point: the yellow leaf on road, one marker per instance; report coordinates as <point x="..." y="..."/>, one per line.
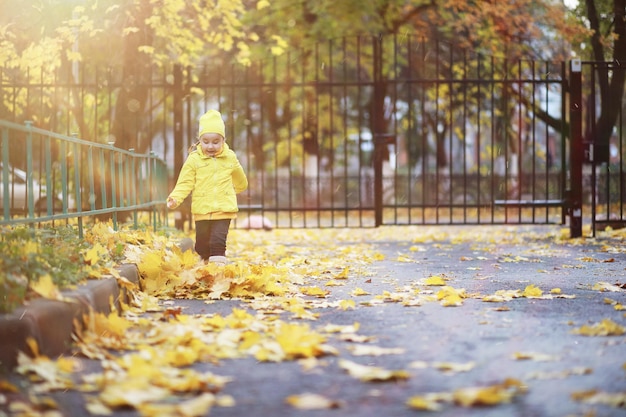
<point x="605" y="286"/>
<point x="435" y="280"/>
<point x="359" y="291"/>
<point x="606" y="327"/>
<point x="541" y="357"/>
<point x="450" y="367"/>
<point x="489" y="395"/>
<point x="613" y="399"/>
<point x="531" y="291"/>
<point x="451" y="297"/>
<point x="372" y="373"/>
<point x="367" y="350"/>
<point x="309" y="401"/>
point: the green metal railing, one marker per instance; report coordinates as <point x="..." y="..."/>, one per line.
<point x="48" y="176"/>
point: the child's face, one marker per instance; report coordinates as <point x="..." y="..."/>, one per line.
<point x="212" y="143"/>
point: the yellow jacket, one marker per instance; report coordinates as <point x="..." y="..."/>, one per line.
<point x="213" y="183"/>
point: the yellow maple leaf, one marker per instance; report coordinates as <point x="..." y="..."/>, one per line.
<point x="451" y="297"/>
<point x="541" y="357"/>
<point x="347" y="304"/>
<point x="299" y="341"/>
<point x="429" y="402"/>
<point x="531" y="291"/>
<point x="359" y="291"/>
<point x="451" y="367"/>
<point x="94" y="254"/>
<point x="489" y="395"/>
<point x="343" y="274"/>
<point x="606" y="327"/>
<point x="372" y="373"/>
<point x="435" y="280"/>
<point x="197" y="406"/>
<point x="404" y="259"/>
<point x="369" y="350"/>
<point x="45" y="287"/>
<point x="310" y="401"/>
<point x="314" y="291"/>
<point x="616" y="399"/>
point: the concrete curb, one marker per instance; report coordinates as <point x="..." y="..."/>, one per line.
<point x="51" y="323"/>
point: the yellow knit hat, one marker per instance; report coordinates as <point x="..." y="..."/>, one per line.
<point x="211" y="122"/>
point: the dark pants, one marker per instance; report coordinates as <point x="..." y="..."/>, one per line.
<point x="211" y="237"/>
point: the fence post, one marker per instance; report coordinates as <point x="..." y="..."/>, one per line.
<point x="576" y="155"/>
<point x="178" y="134"/>
<point x="378" y="123"/>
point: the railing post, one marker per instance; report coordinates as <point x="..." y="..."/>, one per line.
<point x="576" y="156"/>
<point x="29" y="169"/>
<point x="178" y="132"/>
<point x="378" y="129"/>
<point x="5" y="174"/>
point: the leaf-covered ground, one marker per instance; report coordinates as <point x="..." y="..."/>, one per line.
<point x="387" y="321"/>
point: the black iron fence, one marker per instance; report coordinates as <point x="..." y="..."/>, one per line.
<point x="352" y="132"/>
<point x="604" y="143"/>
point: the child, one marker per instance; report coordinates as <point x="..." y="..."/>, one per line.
<point x="213" y="175"/>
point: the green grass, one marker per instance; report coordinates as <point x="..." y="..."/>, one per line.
<point x="30" y="253"/>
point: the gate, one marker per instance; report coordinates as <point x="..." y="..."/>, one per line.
<point x="601" y="127"/>
<point x="371" y="131"/>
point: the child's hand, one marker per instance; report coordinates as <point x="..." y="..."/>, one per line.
<point x="171" y="203"/>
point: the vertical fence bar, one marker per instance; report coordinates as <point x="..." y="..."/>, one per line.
<point x="5" y="174"/>
<point x="378" y="122"/>
<point x="102" y="175"/>
<point x="331" y="128"/>
<point x="91" y="179"/>
<point x="78" y="186"/>
<point x="477" y="156"/>
<point x="464" y="142"/>
<point x="290" y="193"/>
<point x="113" y="179"/>
<point x="29" y="170"/>
<point x="64" y="187"/>
<point x="50" y="197"/>
<point x="317" y="80"/>
<point x="345" y="131"/>
<point x="132" y="182"/>
<point x="576" y="149"/>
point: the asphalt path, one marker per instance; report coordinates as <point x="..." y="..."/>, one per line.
<point x="426" y="334"/>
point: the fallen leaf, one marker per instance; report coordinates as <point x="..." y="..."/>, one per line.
<point x="451" y="367"/>
<point x="435" y="280"/>
<point x="45" y="287"/>
<point x="429" y="402"/>
<point x="451" y="297"/>
<point x="606" y="327"/>
<point x="606" y="287"/>
<point x="372" y="373"/>
<point x="368" y="350"/>
<point x="531" y="291"/>
<point x="535" y="356"/>
<point x="310" y="401"/>
<point x="616" y="399"/>
<point x="489" y="395"/>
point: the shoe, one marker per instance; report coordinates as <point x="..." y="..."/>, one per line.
<point x="218" y="260"/>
